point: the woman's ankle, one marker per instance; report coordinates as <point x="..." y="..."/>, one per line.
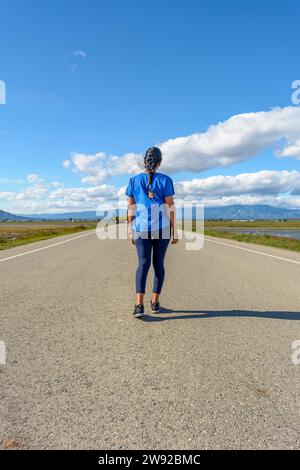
<point x="155" y="298"/>
<point x="139" y="299"/>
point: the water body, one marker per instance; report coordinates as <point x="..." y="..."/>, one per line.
<point x="295" y="234"/>
<point x="275" y="233"/>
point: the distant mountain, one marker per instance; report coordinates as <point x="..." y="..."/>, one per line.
<point x="85" y="215"/>
<point x="259" y="211"/>
<point x="11" y="217"/>
<point x="233" y="212"/>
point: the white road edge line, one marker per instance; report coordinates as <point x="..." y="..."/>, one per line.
<point x="46" y="247"/>
<point x="253" y="251"/>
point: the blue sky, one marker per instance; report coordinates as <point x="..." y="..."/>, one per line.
<point x="116" y="76"/>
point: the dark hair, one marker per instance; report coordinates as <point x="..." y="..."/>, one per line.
<point x="153" y="157"/>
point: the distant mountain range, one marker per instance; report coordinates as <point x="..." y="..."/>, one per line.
<point x="85" y="215"/>
<point x="233" y="212"/>
<point x="11" y="217"/>
<point x="259" y="211"/>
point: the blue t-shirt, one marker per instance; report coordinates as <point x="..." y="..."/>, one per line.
<point x="151" y="213"/>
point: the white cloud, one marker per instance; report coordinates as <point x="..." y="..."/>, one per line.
<point x="239" y="138"/>
<point x="291" y="150"/>
<point x="34" y="178"/>
<point x="93" y="193"/>
<point x="49" y="198"/>
<point x="80" y="53"/>
<point x="73" y="64"/>
<point x="99" y="167"/>
<point x="277" y="188"/>
<point x="275" y="201"/>
<point x="35" y="192"/>
<point x="66" y="163"/>
<point x="30" y="193"/>
<point x="265" y="182"/>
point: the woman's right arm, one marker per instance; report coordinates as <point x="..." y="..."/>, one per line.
<point x="130" y="216"/>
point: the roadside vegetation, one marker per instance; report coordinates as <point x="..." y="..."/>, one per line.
<point x="218" y="228"/>
<point x="255" y="224"/>
<point x="20" y="233"/>
<point x="259" y="239"/>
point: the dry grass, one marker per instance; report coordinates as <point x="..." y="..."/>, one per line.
<point x="19" y="233"/>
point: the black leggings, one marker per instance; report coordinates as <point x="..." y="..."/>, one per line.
<point x="144" y="250"/>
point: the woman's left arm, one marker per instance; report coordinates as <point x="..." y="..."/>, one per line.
<point x="170" y="202"/>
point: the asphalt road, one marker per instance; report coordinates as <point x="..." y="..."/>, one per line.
<point x="213" y="371"/>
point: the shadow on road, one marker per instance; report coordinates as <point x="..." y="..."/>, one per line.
<point x="190" y="314"/>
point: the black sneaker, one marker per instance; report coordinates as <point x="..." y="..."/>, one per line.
<point x="155" y="307"/>
<point x="138" y="311"/>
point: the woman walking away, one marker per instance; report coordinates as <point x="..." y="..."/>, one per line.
<point x="151" y="225"/>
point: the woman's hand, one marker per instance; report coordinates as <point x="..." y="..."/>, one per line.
<point x="130" y="234"/>
<point x="175" y="238"/>
<point x="170" y="203"/>
<point x="130" y="215"/>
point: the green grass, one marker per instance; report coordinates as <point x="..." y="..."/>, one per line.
<point x="16" y="234"/>
<point x="217" y="228"/>
<point x="256" y="224"/>
<point x="263" y="239"/>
